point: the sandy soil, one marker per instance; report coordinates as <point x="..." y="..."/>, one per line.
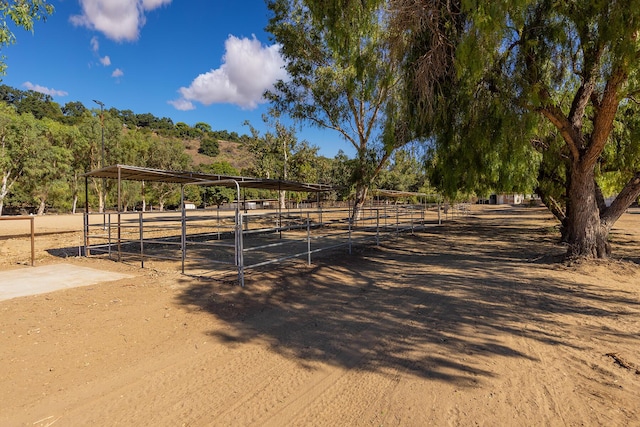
<point x="476" y="322"/>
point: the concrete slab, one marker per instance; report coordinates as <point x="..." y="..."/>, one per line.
<point x="49" y="278"/>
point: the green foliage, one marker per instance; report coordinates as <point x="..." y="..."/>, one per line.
<point x="36" y="103"/>
<point x="203" y="127"/>
<point x="514" y="59"/>
<point x="218" y="195"/>
<point x="45" y="150"/>
<point x="73" y="112"/>
<point x="405" y="172"/>
<point x="341" y="175"/>
<point x="42" y="105"/>
<point x="543" y="95"/>
<point x="340" y="76"/>
<point x="220" y="168"/>
<point x="209" y="147"/>
<point x="272" y="150"/>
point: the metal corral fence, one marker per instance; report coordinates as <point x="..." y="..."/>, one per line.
<point x="207" y="242"/>
<point x="32" y="232"/>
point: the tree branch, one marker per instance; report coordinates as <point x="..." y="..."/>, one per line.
<point x="628" y="195"/>
<point x="570" y="135"/>
<point x="580" y="101"/>
<point x="552" y="204"/>
<point x="603" y="121"/>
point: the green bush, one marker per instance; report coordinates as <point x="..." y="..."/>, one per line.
<point x="209" y="147"/>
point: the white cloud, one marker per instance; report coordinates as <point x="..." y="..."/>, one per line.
<point x="182" y="105"/>
<point x="154" y="4"/>
<point x="117" y="73"/>
<point x="117" y="19"/>
<point x="248" y="69"/>
<point x="95" y="45"/>
<point x="45" y="90"/>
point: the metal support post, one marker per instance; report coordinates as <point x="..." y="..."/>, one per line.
<point x="86" y="216"/>
<point x="350" y="219"/>
<point x="308" y="240"/>
<point x="141" y="222"/>
<point x="108" y="228"/>
<point x="119" y="215"/>
<point x="378" y="227"/>
<point x="183" y="222"/>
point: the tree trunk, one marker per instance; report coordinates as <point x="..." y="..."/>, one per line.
<point x="586" y="234"/>
<point x="98" y="188"/>
<point x="41" y="207"/>
<point x="361" y="197"/>
<point x="282" y="199"/>
<point x="5" y="186"/>
<point x="144" y="199"/>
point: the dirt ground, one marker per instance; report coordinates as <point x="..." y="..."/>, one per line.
<point x="475" y="322"/>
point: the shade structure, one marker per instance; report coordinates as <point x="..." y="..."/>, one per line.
<point x="397" y="193"/>
<point x="137" y="173"/>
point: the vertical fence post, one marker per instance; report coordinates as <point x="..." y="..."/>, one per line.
<point x="385" y="216"/>
<point x="119" y="214"/>
<point x="86" y="233"/>
<point x="308" y="240"/>
<point x="140" y="222"/>
<point x="108" y="232"/>
<point x="33" y="238"/>
<point x="350" y="219"/>
<point x="378" y="227"/>
<point x="86" y="216"/>
<point x="183" y="224"/>
<point x="411" y="218"/>
<point x="240" y="249"/>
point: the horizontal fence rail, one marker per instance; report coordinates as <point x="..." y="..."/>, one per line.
<point x="206" y="242"/>
<point x="31" y="229"/>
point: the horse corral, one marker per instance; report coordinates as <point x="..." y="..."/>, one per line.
<point x="206" y="242"/>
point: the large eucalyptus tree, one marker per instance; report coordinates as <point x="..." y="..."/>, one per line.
<point x="523" y="76"/>
<point x="340" y="77"/>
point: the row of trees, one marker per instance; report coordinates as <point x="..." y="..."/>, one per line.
<point x="42" y="106"/>
<point x="42" y="160"/>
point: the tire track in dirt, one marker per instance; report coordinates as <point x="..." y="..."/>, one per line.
<point x="330" y="392"/>
<point x="154" y="390"/>
<point x="183" y="389"/>
<point x="352" y="393"/>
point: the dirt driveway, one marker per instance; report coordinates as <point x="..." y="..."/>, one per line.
<point x="475" y="322"/>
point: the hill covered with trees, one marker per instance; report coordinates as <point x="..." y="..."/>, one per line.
<point x="45" y="148"/>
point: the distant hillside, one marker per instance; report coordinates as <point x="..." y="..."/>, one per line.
<point x="231" y="152"/>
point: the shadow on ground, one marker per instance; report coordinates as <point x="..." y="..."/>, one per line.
<point x="435" y="304"/>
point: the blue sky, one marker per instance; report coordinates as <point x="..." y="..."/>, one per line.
<point x="190" y="60"/>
